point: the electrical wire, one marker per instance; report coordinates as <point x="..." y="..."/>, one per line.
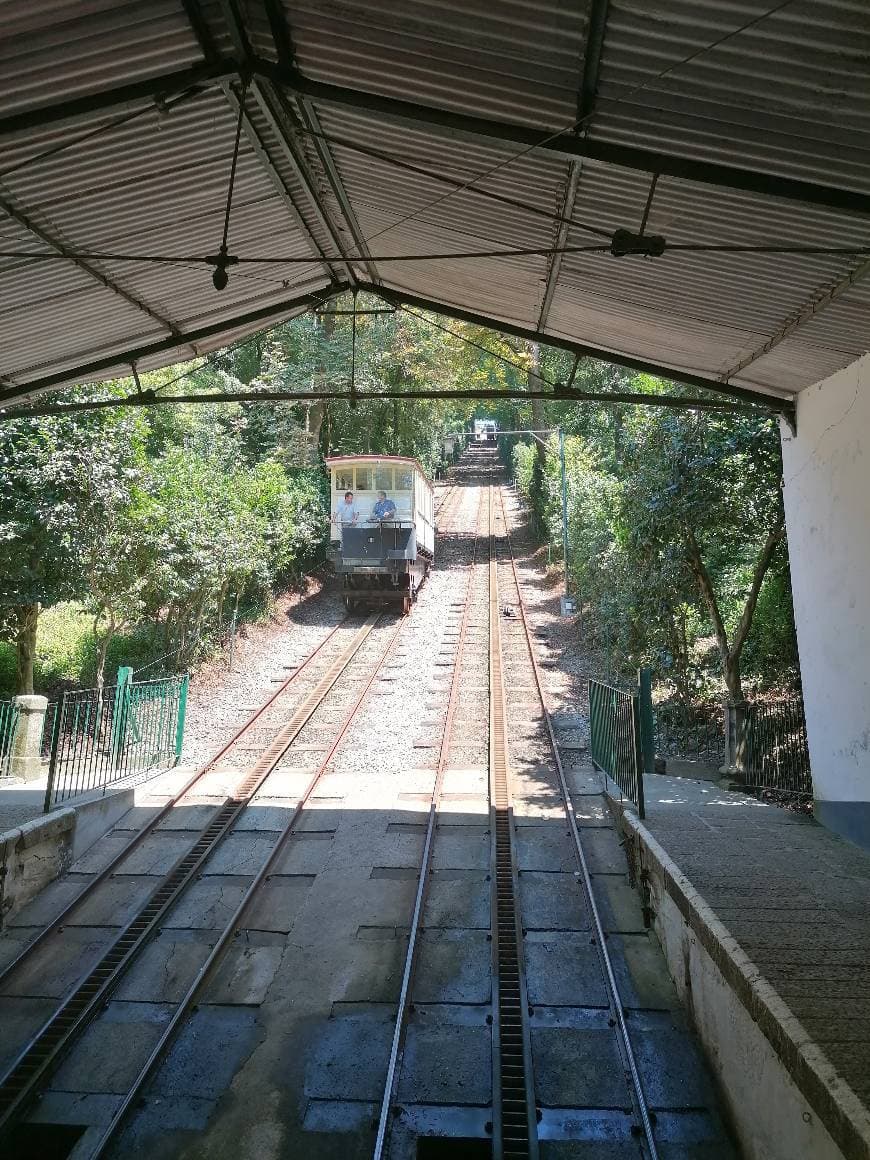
<point x="456" y="255"/>
<point x="433" y="175"/>
<point x="580" y="122"/>
<point x="166" y="107"/>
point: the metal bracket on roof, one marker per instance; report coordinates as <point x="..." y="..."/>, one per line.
<point x="625" y="242"/>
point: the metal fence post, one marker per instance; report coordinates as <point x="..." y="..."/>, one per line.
<point x="182" y="712"/>
<point x="647" y="727"/>
<point x="638" y="757"/>
<point x="119" y="711"/>
<point x="52" y="761"/>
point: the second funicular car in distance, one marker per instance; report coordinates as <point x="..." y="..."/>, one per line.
<point x="383" y="528"/>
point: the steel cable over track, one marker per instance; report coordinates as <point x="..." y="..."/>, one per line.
<point x="60" y="920"/>
<point x="411" y="955"/>
<point x="47" y="1047"/>
<point x="615" y="1002"/>
<point x="514" y="1113"/>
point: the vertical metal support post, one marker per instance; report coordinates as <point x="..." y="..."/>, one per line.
<point x="564" y="505"/>
<point x="647" y="728"/>
<point x="119" y="712"/>
<point x="55" y="745"/>
<point x="182" y="712"/>
<point x="638" y="758"/>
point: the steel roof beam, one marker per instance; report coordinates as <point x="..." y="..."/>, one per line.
<point x="85" y="372"/>
<point x="262" y="155"/>
<point x="85" y="266"/>
<point x="152" y="89"/>
<point x="773" y="402"/>
<point x="239" y="35"/>
<point x="561" y="239"/>
<point x="283" y="38"/>
<point x="608" y="153"/>
<point x="595" y="26"/>
<point x="205" y="39"/>
<point x="561" y="394"/>
<point x="273" y="109"/>
<point x="312" y="124"/>
<point x="568" y="145"/>
<point x="820" y="302"/>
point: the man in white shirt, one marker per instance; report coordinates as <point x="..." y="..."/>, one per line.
<point x="347" y="513"/>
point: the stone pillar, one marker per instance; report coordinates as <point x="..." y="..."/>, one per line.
<point x="736" y="727"/>
<point x="25" y="760"/>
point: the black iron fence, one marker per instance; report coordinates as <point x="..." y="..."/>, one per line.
<point x="693" y="733"/>
<point x="100" y="736"/>
<point x="615" y="738"/>
<point x="776" y="753"/>
<point x="9" y="714"/>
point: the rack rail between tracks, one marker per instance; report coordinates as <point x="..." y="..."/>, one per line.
<point x="615" y="1002"/>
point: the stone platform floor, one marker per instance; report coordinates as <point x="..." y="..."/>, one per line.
<point x="794" y="896"/>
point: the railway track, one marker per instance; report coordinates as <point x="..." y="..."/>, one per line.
<point x="466" y="606"/>
<point x="337" y="685"/>
<point x="487" y="699"/>
<point x="524" y="654"/>
<point x="515" y="1109"/>
<point x="57" y="1037"/>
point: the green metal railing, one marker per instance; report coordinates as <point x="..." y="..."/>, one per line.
<point x="101" y="736"/>
<point x="9" y="714"/>
<point x="615" y="738"/>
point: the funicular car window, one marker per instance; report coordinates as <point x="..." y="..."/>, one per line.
<point x="404" y="479"/>
<point x="364" y="479"/>
<point x="344" y="479"/>
<point x="384" y="479"/>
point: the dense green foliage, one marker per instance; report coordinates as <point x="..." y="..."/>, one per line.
<point x="146" y="532"/>
<point x="676" y="541"/>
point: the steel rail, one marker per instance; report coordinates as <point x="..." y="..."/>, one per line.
<point x="411" y="955"/>
<point x="515" y="1131"/>
<point x="139" y="837"/>
<point x="78" y="1007"/>
<point x="202" y="976"/>
<point x="615" y="999"/>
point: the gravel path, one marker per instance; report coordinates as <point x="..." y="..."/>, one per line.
<point x="220" y="701"/>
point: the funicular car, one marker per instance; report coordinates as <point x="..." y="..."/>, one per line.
<point x="382" y="528"/>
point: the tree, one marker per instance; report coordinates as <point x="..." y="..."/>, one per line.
<point x="60" y="477"/>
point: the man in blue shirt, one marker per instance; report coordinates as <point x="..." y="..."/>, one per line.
<point x="384" y="509"/>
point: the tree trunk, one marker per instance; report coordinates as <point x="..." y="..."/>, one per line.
<point x="318" y="410"/>
<point x="103" y="649"/>
<point x="27" y="616"/>
<point x="733" y="678"/>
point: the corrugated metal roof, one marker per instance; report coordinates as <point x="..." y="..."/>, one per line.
<point x="788" y="96"/>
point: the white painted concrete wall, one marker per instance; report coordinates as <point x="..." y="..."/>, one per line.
<point x="827" y="504"/>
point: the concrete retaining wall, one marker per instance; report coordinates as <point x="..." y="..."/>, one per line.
<point x="783" y="1097"/>
<point x="34" y="854"/>
<point x="31" y="856"/>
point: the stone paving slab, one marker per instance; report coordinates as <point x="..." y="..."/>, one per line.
<point x="795" y="898"/>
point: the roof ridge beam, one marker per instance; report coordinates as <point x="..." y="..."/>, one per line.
<point x="262" y="155"/>
<point x="87" y="267"/>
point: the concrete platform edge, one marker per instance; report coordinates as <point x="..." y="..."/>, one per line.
<point x="807" y="1083"/>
